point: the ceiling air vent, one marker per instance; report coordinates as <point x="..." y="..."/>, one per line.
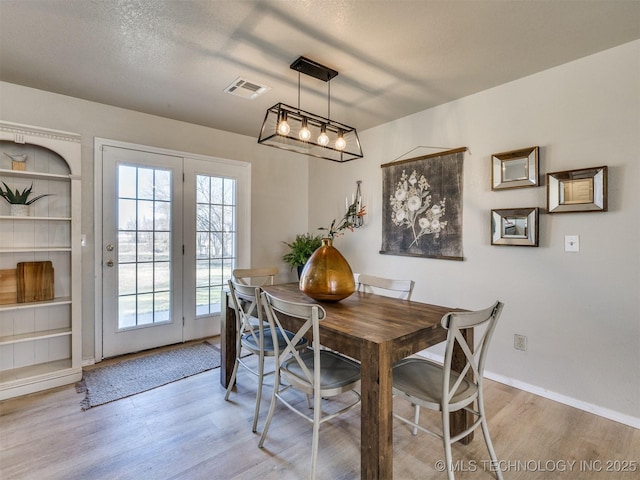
<point x="246" y="88"/>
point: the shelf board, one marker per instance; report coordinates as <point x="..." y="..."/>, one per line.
<point x="35" y="249"/>
<point x="22" y="373"/>
<point x="48" y="219"/>
<point x="34" y="175"/>
<point x="26" y="337"/>
<point x="50" y="303"/>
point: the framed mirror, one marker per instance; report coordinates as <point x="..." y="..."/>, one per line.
<point x="515" y="169"/>
<point x="582" y="190"/>
<point x="515" y="227"/>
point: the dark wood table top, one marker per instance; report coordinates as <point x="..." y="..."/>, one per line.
<point x="367" y="317"/>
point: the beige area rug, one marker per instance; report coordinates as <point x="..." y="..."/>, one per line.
<point x="122" y="379"/>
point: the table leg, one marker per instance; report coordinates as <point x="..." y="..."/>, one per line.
<point x="227" y="340"/>
<point x="377" y="414"/>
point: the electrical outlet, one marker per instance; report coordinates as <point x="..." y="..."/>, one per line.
<point x="520" y="342"/>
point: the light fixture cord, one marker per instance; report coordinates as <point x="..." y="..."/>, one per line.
<point x="298" y="89"/>
<point x="329" y="100"/>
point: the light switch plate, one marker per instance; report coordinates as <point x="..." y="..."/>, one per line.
<point x="571" y="243"/>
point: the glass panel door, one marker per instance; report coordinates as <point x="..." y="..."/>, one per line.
<point x="173" y="230"/>
<point x="216" y="238"/>
<point x="142" y="254"/>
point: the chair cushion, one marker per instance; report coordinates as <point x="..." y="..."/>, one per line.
<point x="336" y="371"/>
<point x="249" y="341"/>
<point x="422" y="379"/>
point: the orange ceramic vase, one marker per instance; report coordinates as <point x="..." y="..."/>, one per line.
<point x="327" y="275"/>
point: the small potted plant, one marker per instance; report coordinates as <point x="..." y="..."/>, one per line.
<point x="19" y="201"/>
<point x="301" y="249"/>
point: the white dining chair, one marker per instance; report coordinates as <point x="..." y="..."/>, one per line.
<point x="385" y="286"/>
<point x="315" y="372"/>
<point x="255" y="276"/>
<point x="253" y="336"/>
<point x="437" y="387"/>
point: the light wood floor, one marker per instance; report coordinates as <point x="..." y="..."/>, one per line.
<point x="185" y="430"/>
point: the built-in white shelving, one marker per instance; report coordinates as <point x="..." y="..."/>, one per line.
<point x="40" y="342"/>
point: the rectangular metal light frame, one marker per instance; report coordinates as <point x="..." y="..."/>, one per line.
<point x="269" y="134"/>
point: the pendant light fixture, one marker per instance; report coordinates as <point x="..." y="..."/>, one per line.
<point x="304" y="132"/>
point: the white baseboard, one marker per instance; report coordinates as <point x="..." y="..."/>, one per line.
<point x="88" y="361"/>
<point x="557" y="397"/>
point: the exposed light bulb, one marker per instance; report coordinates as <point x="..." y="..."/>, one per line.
<point x="304" y="134"/>
<point x="283" y="126"/>
<point x="323" y="138"/>
<point x="341" y="143"/>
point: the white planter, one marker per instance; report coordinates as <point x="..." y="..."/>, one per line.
<point x="19" y="210"/>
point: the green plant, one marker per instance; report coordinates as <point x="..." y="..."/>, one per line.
<point x="19" y="198"/>
<point x="337" y="227"/>
<point x="301" y="249"/>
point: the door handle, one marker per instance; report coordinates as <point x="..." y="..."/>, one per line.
<point x="109" y="247"/>
<point x="109" y="263"/>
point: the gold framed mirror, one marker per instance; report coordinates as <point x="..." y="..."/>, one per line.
<point x="515" y="227"/>
<point x="583" y="190"/>
<point x="515" y="169"/>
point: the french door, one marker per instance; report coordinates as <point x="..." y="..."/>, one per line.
<point x="170" y="241"/>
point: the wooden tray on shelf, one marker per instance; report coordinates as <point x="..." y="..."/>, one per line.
<point x="35" y="281"/>
<point x="8" y="286"/>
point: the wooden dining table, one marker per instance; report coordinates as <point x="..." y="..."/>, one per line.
<point x="378" y="331"/>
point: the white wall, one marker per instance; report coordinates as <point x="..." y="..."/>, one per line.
<point x="580" y="311"/>
<point x="277" y="176"/>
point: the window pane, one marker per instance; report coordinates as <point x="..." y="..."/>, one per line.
<point x="202" y="189"/>
<point x="161" y="276"/>
<point x="145" y="183"/>
<point x="145" y="215"/>
<point x="202" y="273"/>
<point x="145" y="246"/>
<point x="127" y="311"/>
<point x="145" y="277"/>
<point x="145" y="309"/>
<point x="126" y="247"/>
<point x="229" y="191"/>
<point x="216" y="218"/>
<point x="228" y="247"/>
<point x="127" y="279"/>
<point x="202" y="245"/>
<point x="229" y="220"/>
<point x="215" y="251"/>
<point x="216" y="191"/>
<point x="162" y="246"/>
<point x="162" y="304"/>
<point x="162" y="213"/>
<point x="126" y="181"/>
<point x="216" y="245"/>
<point x="126" y="214"/>
<point x="203" y="222"/>
<point x="202" y="301"/>
<point x="163" y="185"/>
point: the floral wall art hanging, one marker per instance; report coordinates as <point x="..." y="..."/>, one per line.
<point x="422" y="206"/>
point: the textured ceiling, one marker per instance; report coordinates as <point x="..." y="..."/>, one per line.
<point x="394" y="57"/>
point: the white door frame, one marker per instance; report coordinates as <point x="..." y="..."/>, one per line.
<point x="243" y="212"/>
